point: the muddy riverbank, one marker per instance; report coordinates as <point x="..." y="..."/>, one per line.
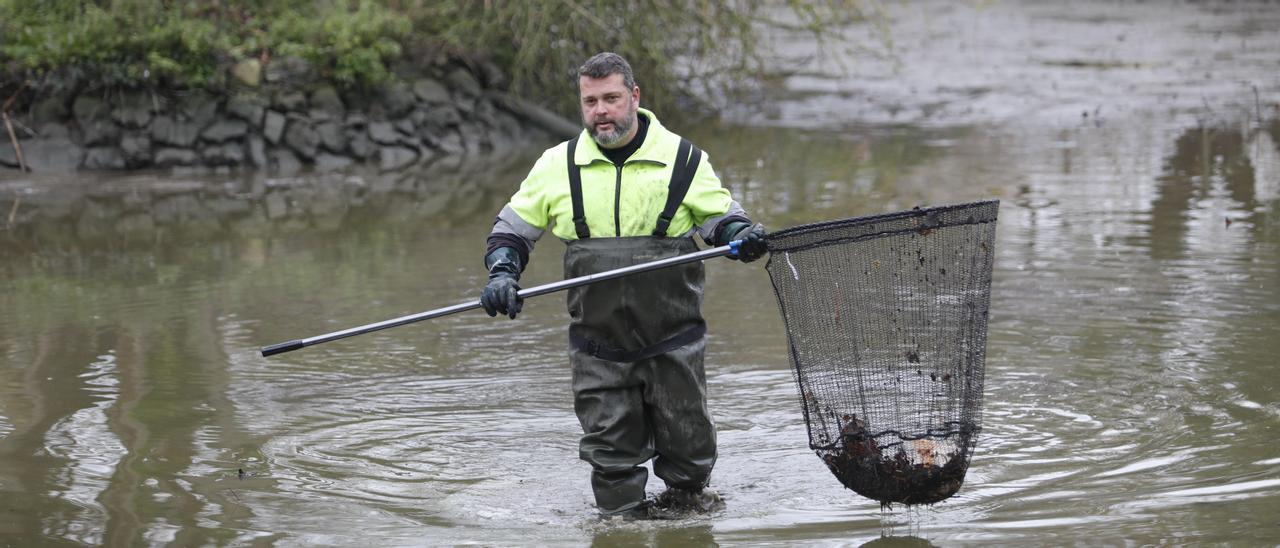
<point x="1039" y="63"/>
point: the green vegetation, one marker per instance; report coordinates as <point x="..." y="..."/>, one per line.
<point x="166" y="43"/>
<point x="680" y="49"/>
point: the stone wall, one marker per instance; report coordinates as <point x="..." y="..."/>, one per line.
<point x="288" y="123"/>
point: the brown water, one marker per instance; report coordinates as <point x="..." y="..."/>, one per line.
<point x="1131" y="386"/>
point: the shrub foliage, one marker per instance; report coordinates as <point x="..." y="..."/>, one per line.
<point x="680" y="49"/>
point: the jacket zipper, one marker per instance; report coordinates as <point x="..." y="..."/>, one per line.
<point x="617" y="205"/>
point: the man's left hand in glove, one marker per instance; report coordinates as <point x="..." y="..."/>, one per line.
<point x="752" y="237"/>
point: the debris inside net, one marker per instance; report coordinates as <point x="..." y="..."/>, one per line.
<point x="908" y="472"/>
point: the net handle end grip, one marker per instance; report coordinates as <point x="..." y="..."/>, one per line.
<point x="283" y="347"/>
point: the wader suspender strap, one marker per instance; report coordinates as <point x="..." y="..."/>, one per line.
<point x="575" y="192"/>
<point x="686" y="166"/>
<point x="687" y="158"/>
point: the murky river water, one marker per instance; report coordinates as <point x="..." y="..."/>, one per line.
<point x="1132" y="393"/>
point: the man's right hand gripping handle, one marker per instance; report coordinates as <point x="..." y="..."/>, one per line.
<point x="501" y="294"/>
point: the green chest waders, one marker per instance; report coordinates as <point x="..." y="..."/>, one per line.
<point x="637" y="346"/>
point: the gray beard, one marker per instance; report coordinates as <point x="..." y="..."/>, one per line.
<point x="611" y="139"/>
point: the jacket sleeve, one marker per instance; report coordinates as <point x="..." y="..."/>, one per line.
<point x="524" y="219"/>
<point x="529" y="203"/>
<point x="709" y="203"/>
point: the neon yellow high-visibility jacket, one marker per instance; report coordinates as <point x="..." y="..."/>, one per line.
<point x="616" y="201"/>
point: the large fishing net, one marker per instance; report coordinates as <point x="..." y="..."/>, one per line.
<point x="887" y="322"/>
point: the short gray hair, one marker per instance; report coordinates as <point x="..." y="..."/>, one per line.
<point x="602" y="64"/>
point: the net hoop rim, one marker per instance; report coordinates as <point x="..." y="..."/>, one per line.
<point x="926" y="212"/>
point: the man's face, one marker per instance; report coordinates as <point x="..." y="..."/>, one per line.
<point x="608" y="109"/>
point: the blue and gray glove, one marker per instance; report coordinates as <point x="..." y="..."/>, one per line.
<point x="501" y="294"/>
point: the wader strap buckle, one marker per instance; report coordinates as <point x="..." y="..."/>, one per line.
<point x="594" y="348"/>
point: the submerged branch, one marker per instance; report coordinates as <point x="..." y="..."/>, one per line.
<point x="13" y="138"/>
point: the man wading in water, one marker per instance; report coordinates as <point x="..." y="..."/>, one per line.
<point x="637" y="342"/>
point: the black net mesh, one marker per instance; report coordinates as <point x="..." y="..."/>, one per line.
<point x="887" y="322"/>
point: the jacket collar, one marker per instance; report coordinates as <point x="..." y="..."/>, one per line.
<point x="650" y="151"/>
